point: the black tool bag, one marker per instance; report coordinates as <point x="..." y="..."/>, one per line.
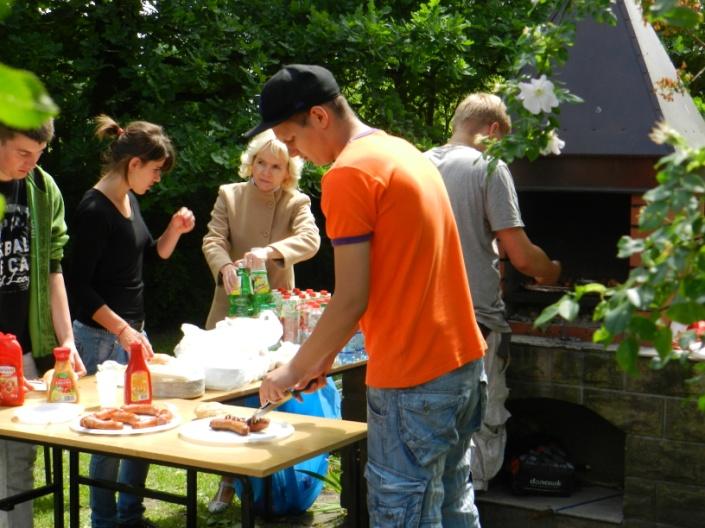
<point x="542" y="470"/>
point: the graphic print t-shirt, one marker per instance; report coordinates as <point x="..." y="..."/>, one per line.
<point x="14" y="262"/>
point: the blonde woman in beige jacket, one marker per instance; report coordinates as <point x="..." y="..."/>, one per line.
<point x="265" y="216"/>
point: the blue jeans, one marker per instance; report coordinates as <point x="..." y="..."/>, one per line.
<point x="95" y="346"/>
<point x="418" y="446"/>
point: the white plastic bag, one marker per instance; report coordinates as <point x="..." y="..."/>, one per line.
<point x="235" y="352"/>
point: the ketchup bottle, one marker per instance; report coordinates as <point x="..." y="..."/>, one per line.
<point x="138" y="381"/>
<point x="11" y="377"/>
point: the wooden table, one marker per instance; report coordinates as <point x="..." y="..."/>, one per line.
<point x="353" y="493"/>
<point x="312" y="436"/>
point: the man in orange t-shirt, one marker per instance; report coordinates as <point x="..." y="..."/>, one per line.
<point x="399" y="273"/>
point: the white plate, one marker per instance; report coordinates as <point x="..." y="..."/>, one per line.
<point x="47" y="413"/>
<point x="126" y="429"/>
<point x="37" y="385"/>
<point x="200" y="432"/>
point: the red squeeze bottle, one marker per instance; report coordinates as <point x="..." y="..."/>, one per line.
<point x="138" y="381"/>
<point x="11" y="376"/>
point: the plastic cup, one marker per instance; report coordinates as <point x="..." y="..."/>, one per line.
<point x="107" y="381"/>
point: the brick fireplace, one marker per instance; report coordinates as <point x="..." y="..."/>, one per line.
<point x="662" y="454"/>
<point x="638" y="443"/>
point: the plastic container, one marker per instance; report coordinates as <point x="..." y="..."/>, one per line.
<point x="354" y="350"/>
<point x="290" y="320"/>
<point x="11" y="375"/>
<point x="138" y="380"/>
<point x="241" y="297"/>
<point x="63" y="387"/>
<point x="261" y="292"/>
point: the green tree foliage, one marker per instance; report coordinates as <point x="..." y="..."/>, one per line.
<point x="196" y="68"/>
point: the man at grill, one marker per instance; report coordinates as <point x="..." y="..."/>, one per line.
<point x="486" y="209"/>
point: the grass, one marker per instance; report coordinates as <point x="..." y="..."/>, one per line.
<point x="325" y="512"/>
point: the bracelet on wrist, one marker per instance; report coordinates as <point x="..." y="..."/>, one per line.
<point x="122" y="330"/>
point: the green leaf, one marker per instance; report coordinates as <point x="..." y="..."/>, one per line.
<point x="333" y="483"/>
<point x="602" y="336"/>
<point x="617" y="319"/>
<point x="2" y="207"/>
<point x="628" y="246"/>
<point x="687" y="312"/>
<point x="5" y="6"/>
<point x="24" y="103"/>
<point x="627" y="353"/>
<point x="568" y="309"/>
<point x="548" y="314"/>
<point x="663" y="343"/>
<point x="593" y="287"/>
<point x="634" y="297"/>
<point x="682" y="17"/>
<point x="643" y="327"/>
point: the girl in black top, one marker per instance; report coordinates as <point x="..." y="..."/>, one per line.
<point x="110" y="239"/>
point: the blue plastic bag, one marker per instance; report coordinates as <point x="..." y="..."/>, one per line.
<point x="293" y="491"/>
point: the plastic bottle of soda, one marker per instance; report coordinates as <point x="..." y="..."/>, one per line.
<point x="241" y="301"/>
<point x="11" y="376"/>
<point x="314" y="315"/>
<point x="234" y="295"/>
<point x="138" y="380"/>
<point x="290" y="320"/>
<point x="261" y="292"/>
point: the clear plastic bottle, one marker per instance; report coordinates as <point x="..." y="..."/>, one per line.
<point x="314" y="315"/>
<point x="290" y="319"/>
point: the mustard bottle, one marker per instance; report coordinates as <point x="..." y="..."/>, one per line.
<point x="64" y="383"/>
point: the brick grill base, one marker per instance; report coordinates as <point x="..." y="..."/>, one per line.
<point x="664" y="468"/>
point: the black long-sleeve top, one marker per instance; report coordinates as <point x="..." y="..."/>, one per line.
<point x="108" y="258"/>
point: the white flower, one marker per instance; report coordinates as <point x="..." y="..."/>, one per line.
<point x="538" y="95"/>
<point x="554" y="145"/>
<point x="661" y="133"/>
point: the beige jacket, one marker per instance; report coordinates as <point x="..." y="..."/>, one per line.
<point x="244" y="217"/>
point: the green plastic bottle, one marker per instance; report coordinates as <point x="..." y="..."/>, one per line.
<point x="262" y="293"/>
<point x="240" y="299"/>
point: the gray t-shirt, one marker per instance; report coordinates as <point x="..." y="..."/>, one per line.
<point x="482" y="206"/>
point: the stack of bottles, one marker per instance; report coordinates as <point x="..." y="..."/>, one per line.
<point x="252" y="293"/>
<point x="298" y="310"/>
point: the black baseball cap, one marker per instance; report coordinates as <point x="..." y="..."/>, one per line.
<point x="295" y="88"/>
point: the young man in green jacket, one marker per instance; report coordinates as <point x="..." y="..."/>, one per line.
<point x="33" y="302"/>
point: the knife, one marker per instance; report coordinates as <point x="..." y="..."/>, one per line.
<point x="270" y="406"/>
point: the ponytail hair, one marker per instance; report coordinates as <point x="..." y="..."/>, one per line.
<point x="140" y="139"/>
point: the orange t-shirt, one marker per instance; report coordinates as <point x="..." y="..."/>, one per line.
<point x="419" y="323"/>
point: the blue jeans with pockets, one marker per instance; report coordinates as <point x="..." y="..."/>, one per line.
<point x="419" y="451"/>
<point x="95" y="346"/>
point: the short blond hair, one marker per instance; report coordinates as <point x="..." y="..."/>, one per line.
<point x="481" y="108"/>
<point x="267" y="139"/>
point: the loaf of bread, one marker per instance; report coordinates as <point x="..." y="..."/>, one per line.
<point x="210" y="409"/>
